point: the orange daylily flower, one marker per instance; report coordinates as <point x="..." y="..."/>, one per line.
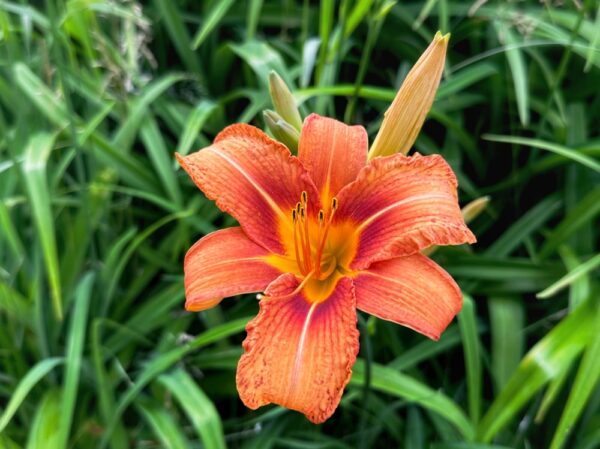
<point x="322" y="234"/>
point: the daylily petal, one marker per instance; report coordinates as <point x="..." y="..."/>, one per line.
<point x="297" y="354"/>
<point x="332" y="152"/>
<point x="400" y="205"/>
<point x="405" y="116"/>
<point x="253" y="178"/>
<point x="412" y="291"/>
<point x="224" y="263"/>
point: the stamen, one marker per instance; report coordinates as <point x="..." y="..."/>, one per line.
<point x="304" y="197"/>
<point x="307" y="237"/>
<point x="296" y="250"/>
<point x="323" y="238"/>
<point x="305" y="240"/>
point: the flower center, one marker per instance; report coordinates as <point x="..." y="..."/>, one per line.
<point x="308" y="246"/>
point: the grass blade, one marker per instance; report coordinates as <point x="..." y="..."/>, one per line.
<point x="73" y="358"/>
<point x="198" y="407"/>
<point x="44" y="431"/>
<point x="30" y="380"/>
<point x="516" y="62"/>
<point x="571" y="154"/>
<point x="213" y="17"/>
<point x="37" y="152"/>
<point x="506" y="322"/>
<point x="467" y="323"/>
<point x="569" y="278"/>
<point x="164" y="427"/>
<point x="544" y="362"/>
<point x="390" y="381"/>
<point x="585" y="382"/>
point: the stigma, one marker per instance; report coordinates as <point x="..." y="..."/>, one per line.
<point x="308" y="249"/>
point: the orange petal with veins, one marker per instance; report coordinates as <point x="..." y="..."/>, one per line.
<point x="412" y="291"/>
<point x="400" y="205"/>
<point x="297" y="354"/>
<point x="253" y="178"/>
<point x="332" y="152"/>
<point x="224" y="263"/>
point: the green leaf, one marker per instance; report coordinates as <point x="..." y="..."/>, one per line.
<point x="30" y="380"/>
<point x="545" y="361"/>
<point x="198" y="406"/>
<point x="194" y="124"/>
<point x="506" y="323"/>
<point x="569" y="278"/>
<point x="44" y="431"/>
<point x="586" y="380"/>
<point x="37" y="152"/>
<point x="161" y="158"/>
<point x="73" y="357"/>
<point x="125" y="135"/>
<point x="40" y="95"/>
<point x="516" y="62"/>
<point x="467" y="322"/>
<point x="584" y="212"/>
<point x="263" y="59"/>
<point x="165" y="361"/>
<point x="388" y="380"/>
<point x="213" y="17"/>
<point x="569" y="153"/>
<point x="178" y="32"/>
<point x="164" y="427"/>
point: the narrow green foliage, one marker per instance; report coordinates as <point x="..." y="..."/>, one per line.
<point x="96" y="217"/>
<point x="544" y="362"/>
<point x="586" y="380"/>
<point x="29" y="381"/>
<point x="200" y="410"/>
<point x="212" y="19"/>
<point x="506" y="322"/>
<point x="37" y="152"/>
<point x="471" y="344"/>
<point x="73" y="357"/>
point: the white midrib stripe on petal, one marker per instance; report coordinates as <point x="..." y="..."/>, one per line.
<point x="301" y="343"/>
<point x="411" y="199"/>
<point x="253" y="182"/>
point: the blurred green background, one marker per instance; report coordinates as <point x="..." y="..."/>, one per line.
<point x="95" y="218"/>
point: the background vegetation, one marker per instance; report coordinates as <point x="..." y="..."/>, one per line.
<point x="95" y="218"/>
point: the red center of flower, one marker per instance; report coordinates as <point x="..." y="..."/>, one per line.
<point x="308" y="249"/>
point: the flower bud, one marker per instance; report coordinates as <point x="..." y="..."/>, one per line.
<point x="282" y="130"/>
<point x="405" y="116"/>
<point x="283" y="101"/>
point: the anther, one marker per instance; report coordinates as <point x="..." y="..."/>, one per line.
<point x="298" y="206"/>
<point x="334" y="203"/>
<point x="321" y="216"/>
<point x="294" y="215"/>
<point x="304" y="197"/>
